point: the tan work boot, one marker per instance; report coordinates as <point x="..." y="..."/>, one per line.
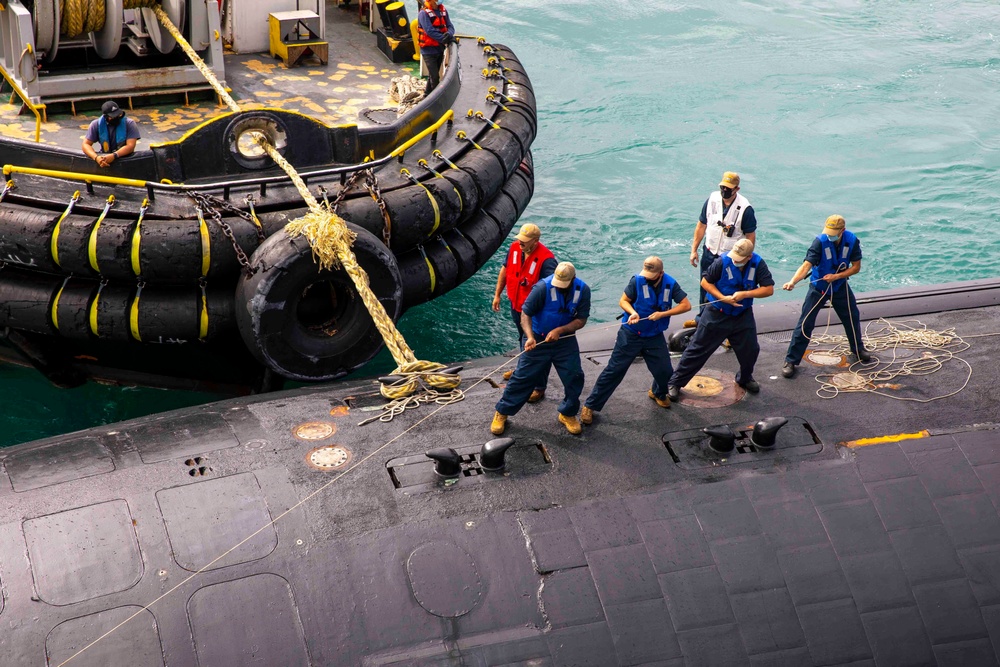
<point x="536" y="395"/>
<point x="662" y="402"/>
<point x="507" y="374"/>
<point x="586" y="415"/>
<point x="499" y="424"/>
<point x="690" y="323"/>
<point x="572" y="424"/>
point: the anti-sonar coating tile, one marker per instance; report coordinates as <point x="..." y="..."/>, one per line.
<point x="181" y="437"/>
<point x="57" y="463"/>
<point x="138" y="645"/>
<point x="252" y="620"/>
<point x="206" y="519"/>
<point x="83" y="553"/>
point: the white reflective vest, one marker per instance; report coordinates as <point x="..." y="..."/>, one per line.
<point x="716" y="239"/>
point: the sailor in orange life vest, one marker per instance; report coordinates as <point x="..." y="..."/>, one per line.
<point x="556" y="308"/>
<point x="648" y="302"/>
<point x="435" y="33"/>
<point x="833" y="257"/>
<point x="726" y="217"/>
<point x="114" y="134"/>
<point x="528" y="261"/>
<point x="733" y="281"/>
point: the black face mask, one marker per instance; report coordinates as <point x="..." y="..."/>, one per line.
<point x="726" y="192"/>
<point x="112" y="121"/>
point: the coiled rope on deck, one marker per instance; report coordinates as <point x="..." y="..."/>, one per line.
<point x="331" y="240"/>
<point x="80" y="17"/>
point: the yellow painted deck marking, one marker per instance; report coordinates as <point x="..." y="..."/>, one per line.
<point x="883" y="439"/>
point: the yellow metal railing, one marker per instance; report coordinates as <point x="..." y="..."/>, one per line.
<point x="399" y="151"/>
<point x="35" y="108"/>
<point x="9" y="169"/>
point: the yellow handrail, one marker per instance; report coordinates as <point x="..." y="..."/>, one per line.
<point x="430" y="130"/>
<point x="9" y="169"/>
<point x="27" y="102"/>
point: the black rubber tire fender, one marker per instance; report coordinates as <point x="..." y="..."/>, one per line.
<point x="467" y="189"/>
<point x="518" y="188"/>
<point x="445" y="266"/>
<point x="485" y="235"/>
<point x="25" y="235"/>
<point x="311" y="325"/>
<point x="486" y="171"/>
<point x="464" y="253"/>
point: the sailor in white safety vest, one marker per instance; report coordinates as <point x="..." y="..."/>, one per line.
<point x="726" y="217"/>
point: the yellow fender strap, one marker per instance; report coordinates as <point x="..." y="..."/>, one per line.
<point x="92" y="310"/>
<point x="133" y="314"/>
<point x="206" y="245"/>
<point x="137" y="238"/>
<point x="434" y="204"/>
<point x="92" y="241"/>
<point x="203" y="319"/>
<point x="54" y="312"/>
<point x="430" y="268"/>
<point x="54" y="241"/>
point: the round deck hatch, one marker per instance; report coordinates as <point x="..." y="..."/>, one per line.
<point x="444" y="579"/>
<point x="314" y="430"/>
<point x="332" y="457"/>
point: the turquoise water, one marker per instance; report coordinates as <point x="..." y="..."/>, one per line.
<point x="883" y="112"/>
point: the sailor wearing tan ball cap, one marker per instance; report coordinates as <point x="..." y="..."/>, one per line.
<point x="733" y="281"/>
<point x="833" y="257"/>
<point x="726" y="217"/>
<point x="557" y="307"/>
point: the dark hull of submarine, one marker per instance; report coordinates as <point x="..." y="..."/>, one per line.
<point x="275" y="530"/>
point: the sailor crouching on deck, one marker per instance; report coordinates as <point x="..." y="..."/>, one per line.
<point x="528" y="261"/>
<point x="833" y="257"/>
<point x="648" y="302"/>
<point x="113" y="133"/>
<point x="733" y="281"/>
<point x="557" y="306"/>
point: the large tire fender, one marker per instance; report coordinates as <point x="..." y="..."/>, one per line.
<point x="311" y="325"/>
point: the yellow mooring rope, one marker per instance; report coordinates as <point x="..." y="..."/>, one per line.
<point x="79" y="17"/>
<point x="331" y="242"/>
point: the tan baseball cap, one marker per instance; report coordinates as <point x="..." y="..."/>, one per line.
<point x="730" y="179"/>
<point x="564" y="275"/>
<point x="742" y="250"/>
<point x="529" y="232"/>
<point x="834" y="223"/>
<point x="652" y="267"/>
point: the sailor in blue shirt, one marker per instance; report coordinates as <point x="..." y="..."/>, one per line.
<point x="733" y="281"/>
<point x="833" y="257"/>
<point x="556" y="307"/>
<point x="648" y="303"/>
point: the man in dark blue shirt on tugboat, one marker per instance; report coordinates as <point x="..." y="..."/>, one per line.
<point x="833" y="257"/>
<point x="732" y="282"/>
<point x="557" y="307"/>
<point x="114" y="134"/>
<point x="648" y="303"/>
<point x="726" y="217"/>
<point x="435" y="33"/>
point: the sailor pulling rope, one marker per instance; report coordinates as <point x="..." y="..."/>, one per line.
<point x="331" y="241"/>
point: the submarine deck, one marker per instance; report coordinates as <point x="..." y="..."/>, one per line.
<point x="605" y="548"/>
<point x="355" y="79"/>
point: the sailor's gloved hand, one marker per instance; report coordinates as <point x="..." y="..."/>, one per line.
<point x="447" y="39"/>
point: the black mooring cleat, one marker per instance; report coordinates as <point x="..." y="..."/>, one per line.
<point x="723" y="439"/>
<point x="447" y="462"/>
<point x="491" y="457"/>
<point x="765" y="432"/>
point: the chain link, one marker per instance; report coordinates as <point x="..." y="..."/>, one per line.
<point x="207" y="204"/>
<point x="371" y="183"/>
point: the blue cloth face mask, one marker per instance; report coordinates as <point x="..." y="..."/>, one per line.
<point x="832" y="238"/>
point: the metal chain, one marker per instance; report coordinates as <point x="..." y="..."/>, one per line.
<point x="371" y="183"/>
<point x="207" y="203"/>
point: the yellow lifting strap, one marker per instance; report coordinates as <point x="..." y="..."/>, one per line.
<point x="92" y="311"/>
<point x="206" y="244"/>
<point x="137" y="238"/>
<point x="92" y="241"/>
<point x="430" y="195"/>
<point x="54" y="241"/>
<point x="54" y="312"/>
<point x="133" y="314"/>
<point x="203" y="317"/>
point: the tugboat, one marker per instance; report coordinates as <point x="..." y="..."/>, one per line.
<point x="145" y="271"/>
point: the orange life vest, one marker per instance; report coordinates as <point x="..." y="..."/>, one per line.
<point x="522" y="275"/>
<point x="438" y="20"/>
